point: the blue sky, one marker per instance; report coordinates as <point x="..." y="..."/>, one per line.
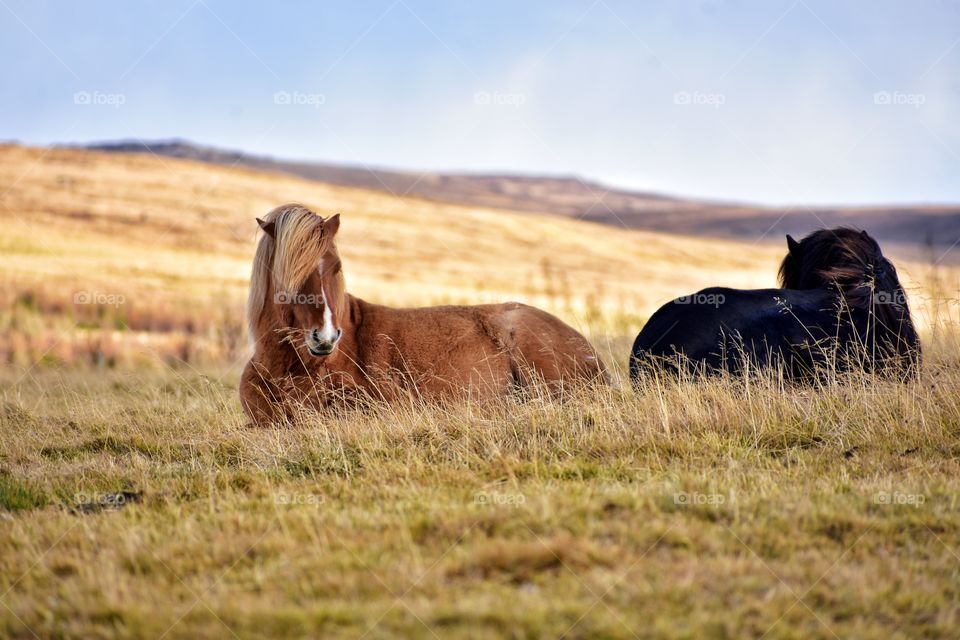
<point x="774" y="101"/>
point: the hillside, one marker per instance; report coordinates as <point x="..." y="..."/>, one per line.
<point x="112" y="254"/>
<point x="586" y="200"/>
<point x="132" y="217"/>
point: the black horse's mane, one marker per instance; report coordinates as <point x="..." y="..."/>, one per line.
<point x="850" y="261"/>
<point x="843" y="257"/>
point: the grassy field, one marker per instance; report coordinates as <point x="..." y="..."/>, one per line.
<point x="136" y="503"/>
<point x="143" y="507"/>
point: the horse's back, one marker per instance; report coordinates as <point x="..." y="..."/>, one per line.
<point x="438" y="350"/>
<point x="486" y="347"/>
<point x="722" y="329"/>
<point x="541" y="342"/>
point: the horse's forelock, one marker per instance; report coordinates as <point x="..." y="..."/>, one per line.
<point x="286" y="260"/>
<point x="300" y="245"/>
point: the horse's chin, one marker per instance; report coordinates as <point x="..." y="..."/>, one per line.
<point x="319" y="353"/>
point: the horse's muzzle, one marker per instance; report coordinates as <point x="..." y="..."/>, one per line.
<point x="321" y="350"/>
<point x="318" y="346"/>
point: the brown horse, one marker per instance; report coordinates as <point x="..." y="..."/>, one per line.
<point x="315" y="344"/>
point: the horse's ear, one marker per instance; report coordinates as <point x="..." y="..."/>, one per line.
<point x="269" y="228"/>
<point x="863" y="234"/>
<point x="330" y="225"/>
<point x="792" y="245"/>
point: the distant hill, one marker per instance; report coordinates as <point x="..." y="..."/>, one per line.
<point x="934" y="225"/>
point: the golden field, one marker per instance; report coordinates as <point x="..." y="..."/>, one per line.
<point x="135" y="502"/>
<point x="118" y="258"/>
<point x="162" y="249"/>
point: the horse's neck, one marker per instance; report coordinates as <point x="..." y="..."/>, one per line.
<point x="274" y="355"/>
<point x="351" y="314"/>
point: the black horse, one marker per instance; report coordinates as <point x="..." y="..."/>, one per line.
<point x="841" y="307"/>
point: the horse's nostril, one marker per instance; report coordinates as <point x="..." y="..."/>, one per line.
<point x="339" y="333"/>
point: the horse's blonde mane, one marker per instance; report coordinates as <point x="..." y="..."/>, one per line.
<point x="287" y="259"/>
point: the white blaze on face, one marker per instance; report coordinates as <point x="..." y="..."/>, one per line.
<point x="328" y="333"/>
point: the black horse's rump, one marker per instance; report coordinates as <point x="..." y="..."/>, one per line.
<point x="841" y="307"/>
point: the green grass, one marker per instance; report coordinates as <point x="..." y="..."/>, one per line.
<point x="722" y="509"/>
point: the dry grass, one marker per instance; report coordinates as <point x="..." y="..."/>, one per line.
<point x="719" y="509"/>
<point x="134" y="501"/>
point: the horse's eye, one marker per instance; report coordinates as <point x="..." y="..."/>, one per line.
<point x="336" y="267"/>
